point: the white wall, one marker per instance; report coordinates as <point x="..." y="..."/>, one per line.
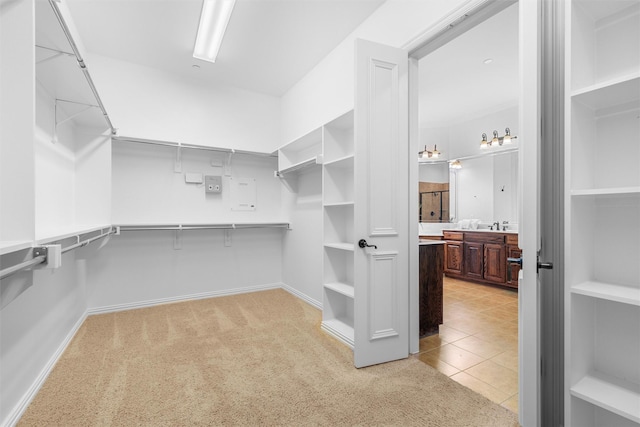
<point x="146" y="103"/>
<point x="141" y="268"/>
<point x="17" y="116"/>
<point x="34" y="328"/>
<point x="147" y="190"/>
<point x="302" y="250"/>
<point x="328" y="90"/>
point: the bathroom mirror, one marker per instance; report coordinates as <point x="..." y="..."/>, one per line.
<point x="484" y="188"/>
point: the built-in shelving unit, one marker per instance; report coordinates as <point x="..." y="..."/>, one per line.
<point x="602" y="319"/>
<point x="338" y="223"/>
<point x="299" y="155"/>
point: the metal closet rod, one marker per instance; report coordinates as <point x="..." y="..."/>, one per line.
<point x="86" y="242"/>
<point x="202" y="227"/>
<point x="81" y="63"/>
<point x="190" y="146"/>
<point x="37" y="259"/>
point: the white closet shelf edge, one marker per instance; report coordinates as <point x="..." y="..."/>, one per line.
<point x="613" y="394"/>
<point x="609" y="291"/>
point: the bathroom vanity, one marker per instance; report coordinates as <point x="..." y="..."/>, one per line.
<point x="481" y="256"/>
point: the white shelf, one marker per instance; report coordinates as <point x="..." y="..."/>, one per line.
<point x="618" y="191"/>
<point x="341" y="288"/>
<point x="613" y="394"/>
<point x="301" y="165"/>
<point x="608" y="291"/>
<point x="334" y="204"/>
<point x="341" y="246"/>
<point x="339" y="329"/>
<point x="10" y="246"/>
<point x="346" y="161"/>
<point x="66" y="233"/>
<point x="610" y="93"/>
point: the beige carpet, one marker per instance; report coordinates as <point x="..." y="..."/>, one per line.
<point x="252" y="359"/>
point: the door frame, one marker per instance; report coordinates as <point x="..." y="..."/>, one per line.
<point x="467" y="16"/>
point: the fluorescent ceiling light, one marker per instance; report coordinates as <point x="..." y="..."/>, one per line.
<point x="213" y="23"/>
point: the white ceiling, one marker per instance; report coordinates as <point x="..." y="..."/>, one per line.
<point x="455" y="84"/>
<point x="268" y="47"/>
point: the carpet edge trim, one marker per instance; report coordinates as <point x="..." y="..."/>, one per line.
<point x="22" y="405"/>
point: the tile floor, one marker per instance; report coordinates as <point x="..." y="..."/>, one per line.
<point x="478" y="343"/>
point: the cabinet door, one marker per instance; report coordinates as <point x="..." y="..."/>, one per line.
<point x="473" y="260"/>
<point x="453" y="258"/>
<point x="495" y="262"/>
<point x="512" y="268"/>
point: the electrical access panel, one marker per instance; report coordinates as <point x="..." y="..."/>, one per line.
<point x="212" y="184"/>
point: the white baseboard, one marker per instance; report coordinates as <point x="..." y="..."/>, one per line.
<point x="302" y="296"/>
<point x="202" y="295"/>
<point x="23" y="404"/>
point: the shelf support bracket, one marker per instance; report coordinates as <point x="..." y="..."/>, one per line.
<point x="177" y="238"/>
<point x="87" y="107"/>
<point x="56" y="54"/>
<point x="177" y="167"/>
<point x="227" y="163"/>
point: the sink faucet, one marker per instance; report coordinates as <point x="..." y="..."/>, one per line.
<point x="504" y="225"/>
<point x="497" y="224"/>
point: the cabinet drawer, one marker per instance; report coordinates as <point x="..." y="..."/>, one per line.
<point x="512" y="239"/>
<point x="453" y="235"/>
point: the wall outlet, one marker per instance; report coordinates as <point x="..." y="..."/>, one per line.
<point x="212" y="184"/>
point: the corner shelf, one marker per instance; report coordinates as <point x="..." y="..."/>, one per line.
<point x="617" y="91"/>
<point x="300" y="165"/>
<point x="341" y="288"/>
<point x="617" y="191"/>
<point x="613" y="394"/>
<point x="338" y="228"/>
<point x="609" y="292"/>
<point x="341" y="246"/>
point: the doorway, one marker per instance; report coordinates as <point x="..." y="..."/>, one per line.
<point x="468" y="106"/>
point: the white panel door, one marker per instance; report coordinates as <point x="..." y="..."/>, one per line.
<point x="529" y="234"/>
<point x="381" y="170"/>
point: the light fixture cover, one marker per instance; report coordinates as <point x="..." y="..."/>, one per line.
<point x="484" y="144"/>
<point x="455" y="164"/>
<point x="214" y="19"/>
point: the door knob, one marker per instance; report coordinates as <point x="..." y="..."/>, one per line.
<point x="363" y="244"/>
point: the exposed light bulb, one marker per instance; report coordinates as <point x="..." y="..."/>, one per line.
<point x="484" y="144"/>
<point x="507" y="136"/>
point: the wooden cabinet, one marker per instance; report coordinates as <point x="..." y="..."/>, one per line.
<point x="482" y="256"/>
<point x="473" y="260"/>
<point x="495" y="262"/>
<point x="453" y="257"/>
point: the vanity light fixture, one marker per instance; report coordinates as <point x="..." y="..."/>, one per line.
<point x="484" y="143"/>
<point x="506" y="139"/>
<point x="214" y="19"/>
<point x="426" y="154"/>
<point x="455" y="164"/>
<point x="497" y="140"/>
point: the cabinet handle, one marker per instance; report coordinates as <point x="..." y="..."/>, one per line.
<point x="363" y="244"/>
